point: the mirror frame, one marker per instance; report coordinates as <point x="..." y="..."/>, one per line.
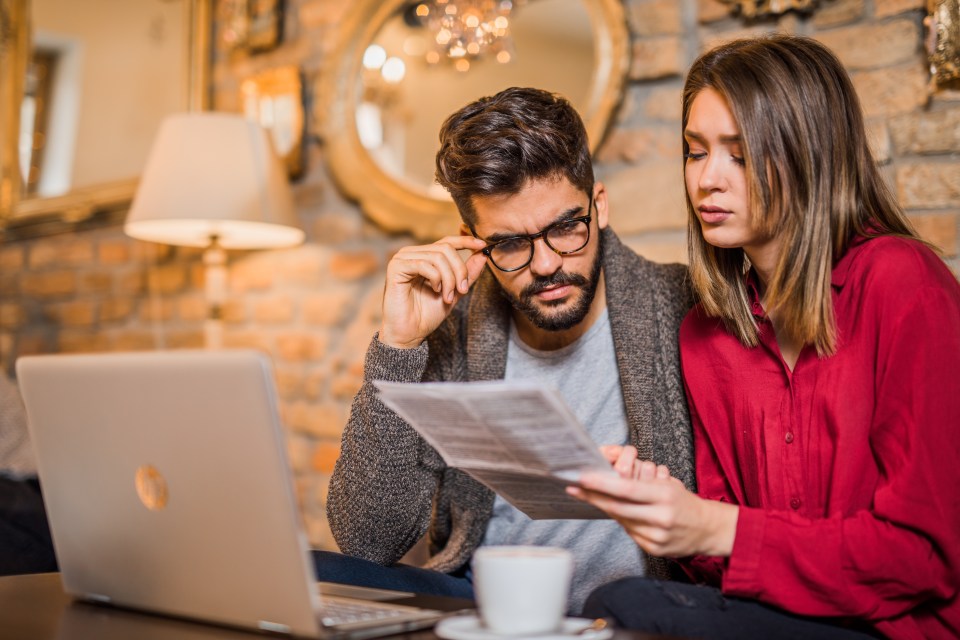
<point x="41" y="216"/>
<point x="401" y="207"/>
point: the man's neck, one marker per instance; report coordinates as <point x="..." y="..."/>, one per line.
<point x="543" y="340"/>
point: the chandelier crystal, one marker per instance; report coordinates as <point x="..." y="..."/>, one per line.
<point x="463" y="30"/>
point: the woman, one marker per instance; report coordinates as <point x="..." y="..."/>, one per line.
<point x="820" y="372"/>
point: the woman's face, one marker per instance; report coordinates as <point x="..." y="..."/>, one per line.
<point x="716" y="177"/>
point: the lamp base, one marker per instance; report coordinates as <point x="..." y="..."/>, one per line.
<point x="215" y="286"/>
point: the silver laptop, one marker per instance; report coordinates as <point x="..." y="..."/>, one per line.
<point x="168" y="489"/>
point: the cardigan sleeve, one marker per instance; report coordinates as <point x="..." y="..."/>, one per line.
<point x="383" y="483"/>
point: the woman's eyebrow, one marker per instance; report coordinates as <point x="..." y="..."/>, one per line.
<point x="726" y="139"/>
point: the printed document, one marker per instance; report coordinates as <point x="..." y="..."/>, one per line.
<point x="519" y="439"/>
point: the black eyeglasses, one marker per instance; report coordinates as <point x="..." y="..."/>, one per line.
<point x="563" y="237"/>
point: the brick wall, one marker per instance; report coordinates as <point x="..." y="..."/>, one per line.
<point x="314" y="308"/>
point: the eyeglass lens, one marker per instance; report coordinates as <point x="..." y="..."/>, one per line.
<point x="563" y="237"/>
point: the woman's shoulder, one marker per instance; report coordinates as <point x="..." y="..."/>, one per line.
<point x="895" y="260"/>
<point x="698" y="326"/>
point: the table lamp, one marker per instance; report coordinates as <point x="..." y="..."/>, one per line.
<point x="213" y="180"/>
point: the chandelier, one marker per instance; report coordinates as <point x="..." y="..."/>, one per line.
<point x="460" y="31"/>
<point x="759" y="8"/>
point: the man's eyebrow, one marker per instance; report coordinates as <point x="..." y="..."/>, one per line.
<point x="726" y="139"/>
<point x="572" y="212"/>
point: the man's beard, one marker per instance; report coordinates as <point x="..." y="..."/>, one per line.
<point x="562" y="320"/>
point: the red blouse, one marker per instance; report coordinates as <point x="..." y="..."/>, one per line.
<point x="847" y="469"/>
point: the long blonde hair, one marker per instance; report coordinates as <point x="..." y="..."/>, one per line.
<point x="812" y="182"/>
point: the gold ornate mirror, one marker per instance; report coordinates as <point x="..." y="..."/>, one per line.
<point x="382" y="105"/>
<point x="83" y="88"/>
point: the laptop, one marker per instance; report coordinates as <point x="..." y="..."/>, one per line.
<point x="167" y="488"/>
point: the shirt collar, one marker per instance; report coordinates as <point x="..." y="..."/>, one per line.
<point x="753" y="292"/>
<point x="838" y="276"/>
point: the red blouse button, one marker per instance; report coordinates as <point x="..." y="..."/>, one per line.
<point x="788" y="437"/>
<point x="795" y="504"/>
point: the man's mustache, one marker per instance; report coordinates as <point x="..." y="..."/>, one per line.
<point x="557" y="278"/>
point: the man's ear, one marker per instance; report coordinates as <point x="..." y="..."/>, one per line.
<point x="601" y="204"/>
<point x="465" y="230"/>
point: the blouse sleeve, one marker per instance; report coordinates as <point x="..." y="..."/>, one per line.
<point x="878" y="563"/>
<point x="711" y="485"/>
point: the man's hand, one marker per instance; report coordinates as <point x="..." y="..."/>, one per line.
<point x="659" y="513"/>
<point x="423" y="284"/>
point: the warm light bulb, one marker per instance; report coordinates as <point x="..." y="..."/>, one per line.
<point x="473" y="48"/>
<point x="393" y="70"/>
<point x="423" y="10"/>
<point x="503" y="57"/>
<point x="374" y="57"/>
<point x="462" y="65"/>
<point x="443" y="36"/>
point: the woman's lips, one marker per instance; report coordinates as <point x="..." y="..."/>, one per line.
<point x="713" y="215"/>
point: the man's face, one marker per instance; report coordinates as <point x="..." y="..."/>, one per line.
<point x="554" y="292"/>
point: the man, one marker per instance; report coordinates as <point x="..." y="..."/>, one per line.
<point x="548" y="293"/>
<point x="25" y="543"/>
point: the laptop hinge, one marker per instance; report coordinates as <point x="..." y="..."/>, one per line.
<point x="275" y="627"/>
<point x="97" y="597"/>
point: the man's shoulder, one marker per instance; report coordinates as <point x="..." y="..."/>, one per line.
<point x="627" y="269"/>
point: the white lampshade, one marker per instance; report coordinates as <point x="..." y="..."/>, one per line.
<point x="214" y="175"/>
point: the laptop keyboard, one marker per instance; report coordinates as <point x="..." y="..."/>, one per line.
<point x="340" y="611"/>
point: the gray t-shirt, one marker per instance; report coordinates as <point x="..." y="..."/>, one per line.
<point x="585" y="373"/>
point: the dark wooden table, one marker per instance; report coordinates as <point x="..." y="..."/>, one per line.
<point x="34" y="607"/>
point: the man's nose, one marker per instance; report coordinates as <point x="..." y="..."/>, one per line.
<point x="545" y="260"/>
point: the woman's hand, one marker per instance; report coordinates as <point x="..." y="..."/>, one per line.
<point x="658" y="512"/>
<point x="625" y="462"/>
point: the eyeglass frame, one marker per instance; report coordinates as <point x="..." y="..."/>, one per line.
<point x="532" y="237"/>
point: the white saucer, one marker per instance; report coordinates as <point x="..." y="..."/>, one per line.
<point x="470" y="628"/>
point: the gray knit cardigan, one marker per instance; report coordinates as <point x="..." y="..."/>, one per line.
<point x="390" y="487"/>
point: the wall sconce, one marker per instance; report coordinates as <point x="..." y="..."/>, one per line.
<point x="943" y="43"/>
<point x="213" y="180"/>
<point x="760" y="8"/>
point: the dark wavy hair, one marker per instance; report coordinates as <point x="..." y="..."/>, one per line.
<point x="497" y="144"/>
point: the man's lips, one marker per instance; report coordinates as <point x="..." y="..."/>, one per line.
<point x="554" y="292"/>
<point x="713" y="215"/>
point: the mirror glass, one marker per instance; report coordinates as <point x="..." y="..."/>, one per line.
<point x="83" y="92"/>
<point x="103" y="74"/>
<point x="382" y="104"/>
<point x="551" y="46"/>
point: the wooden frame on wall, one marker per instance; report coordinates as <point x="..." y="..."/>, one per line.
<point x="274" y="98"/>
<point x="943" y="43"/>
<point x="27" y="217"/>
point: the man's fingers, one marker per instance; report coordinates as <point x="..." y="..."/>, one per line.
<point x="456" y="272"/>
<point x="434" y="266"/>
<point x="474" y="267"/>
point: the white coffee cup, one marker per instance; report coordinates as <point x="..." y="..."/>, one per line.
<point x="522" y="590"/>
